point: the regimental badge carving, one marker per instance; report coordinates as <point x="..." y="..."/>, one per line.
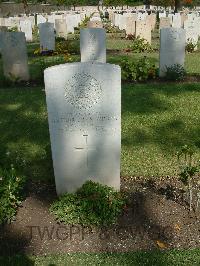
<point x="83" y="91"/>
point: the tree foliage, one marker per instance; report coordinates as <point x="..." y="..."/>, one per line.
<point x="177" y="4"/>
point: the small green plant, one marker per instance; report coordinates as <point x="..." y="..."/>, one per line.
<point x="190" y="47"/>
<point x="60" y="39"/>
<point x="175" y="72"/>
<point x="188" y="172"/>
<point x="63" y="47"/>
<point x="13" y="29"/>
<point x="83" y="24"/>
<point x="11" y="186"/>
<point x="111" y="29"/>
<point x="138" y="70"/>
<point x="14" y="79"/>
<point x="140" y="45"/>
<point x="92" y="204"/>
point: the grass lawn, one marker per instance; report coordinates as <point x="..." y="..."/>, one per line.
<point x="154" y="258"/>
<point x="156" y="121"/>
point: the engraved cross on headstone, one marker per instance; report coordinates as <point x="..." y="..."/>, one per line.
<point x="85" y="148"/>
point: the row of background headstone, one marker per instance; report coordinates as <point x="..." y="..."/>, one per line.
<point x="143" y="29"/>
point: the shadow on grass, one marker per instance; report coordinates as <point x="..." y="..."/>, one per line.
<point x="19" y="260"/>
<point x="24" y="133"/>
<point x="153" y="103"/>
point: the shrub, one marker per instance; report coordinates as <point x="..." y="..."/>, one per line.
<point x="139" y="70"/>
<point x="62" y="47"/>
<point x="92" y="204"/>
<point x="13" y="29"/>
<point x="83" y="24"/>
<point x="65" y="47"/>
<point x="175" y="72"/>
<point x="140" y="45"/>
<point x="190" y="47"/>
<point x="11" y="186"/>
<point x="130" y="37"/>
<point x="112" y="29"/>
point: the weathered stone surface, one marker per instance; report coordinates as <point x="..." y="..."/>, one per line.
<point x="95" y="24"/>
<point x="40" y="19"/>
<point x="143" y="30"/>
<point x="47" y="36"/>
<point x="61" y="28"/>
<point x="176" y="20"/>
<point x="165" y="22"/>
<point x="14" y="55"/>
<point x="84" y="114"/>
<point x="130" y="25"/>
<point x="172" y="48"/>
<point x="93" y="45"/>
<point x="192" y="31"/>
<point x="26" y="27"/>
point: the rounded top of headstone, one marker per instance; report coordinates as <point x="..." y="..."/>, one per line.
<point x="81" y="65"/>
<point x="95" y="24"/>
<point x="93" y="29"/>
<point x="172" y="29"/>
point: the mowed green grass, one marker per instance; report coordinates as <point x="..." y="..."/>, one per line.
<point x="153" y="258"/>
<point x="156" y="121"/>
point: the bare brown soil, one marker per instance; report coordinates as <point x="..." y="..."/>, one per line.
<point x="157" y="216"/>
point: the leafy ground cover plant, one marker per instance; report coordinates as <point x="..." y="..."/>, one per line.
<point x="83" y="24"/>
<point x="11" y="186"/>
<point x="190" y="47"/>
<point x="175" y="72"/>
<point x="111" y="29"/>
<point x="140" y="45"/>
<point x="92" y="204"/>
<point x="138" y="70"/>
<point x="188" y="175"/>
<point x="13" y="29"/>
<point x="63" y="47"/>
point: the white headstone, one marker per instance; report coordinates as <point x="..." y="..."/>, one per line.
<point x="14" y="55"/>
<point x="61" y="28"/>
<point x="192" y="31"/>
<point x="162" y="14"/>
<point x="176" y="21"/>
<point x="165" y="22"/>
<point x="47" y="36"/>
<point x="85" y="123"/>
<point x="172" y="48"/>
<point x="40" y="19"/>
<point x="95" y="19"/>
<point x="143" y="30"/>
<point x="94" y="24"/>
<point x="130" y="25"/>
<point x="70" y="23"/>
<point x="93" y="45"/>
<point x="26" y="27"/>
